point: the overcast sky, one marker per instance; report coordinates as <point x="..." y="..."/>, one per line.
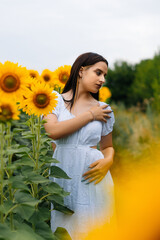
<point x="41" y="34"/>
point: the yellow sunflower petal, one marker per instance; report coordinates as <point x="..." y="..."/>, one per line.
<point x="23" y="105"/>
<point x="13" y="79"/>
<point x="61" y="75"/>
<point x="8" y="110"/>
<point x="33" y="73"/>
<point x="39" y="99"/>
<point x="104" y="94"/>
<point x="47" y="77"/>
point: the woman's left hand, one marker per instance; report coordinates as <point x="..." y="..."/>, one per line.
<point x="98" y="170"/>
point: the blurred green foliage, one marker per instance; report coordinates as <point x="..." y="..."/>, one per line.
<point x="137" y="85"/>
<point x="135" y="136"/>
<point x="119" y="81"/>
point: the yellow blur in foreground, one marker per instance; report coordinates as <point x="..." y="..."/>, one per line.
<point x="137" y="207"/>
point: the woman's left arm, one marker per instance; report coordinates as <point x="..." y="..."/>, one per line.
<point x="100" y="167"/>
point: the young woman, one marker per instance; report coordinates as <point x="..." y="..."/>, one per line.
<point x="78" y="123"/>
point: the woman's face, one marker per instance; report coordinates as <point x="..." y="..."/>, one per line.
<point x="93" y="78"/>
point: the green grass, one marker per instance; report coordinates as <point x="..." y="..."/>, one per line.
<point x="134" y="136"/>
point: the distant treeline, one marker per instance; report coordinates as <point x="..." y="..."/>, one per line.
<point x="138" y="84"/>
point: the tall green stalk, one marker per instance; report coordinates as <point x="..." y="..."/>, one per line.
<point x="36" y="130"/>
<point x="34" y="186"/>
<point x="9" y="142"/>
<point x="33" y="132"/>
<point x="34" y="150"/>
<point x="38" y="141"/>
<point x="2" y="165"/>
<point x="38" y="138"/>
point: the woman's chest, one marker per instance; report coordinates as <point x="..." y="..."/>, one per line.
<point x="80" y="106"/>
<point x="89" y="133"/>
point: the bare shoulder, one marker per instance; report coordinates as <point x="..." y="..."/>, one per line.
<point x="67" y="95"/>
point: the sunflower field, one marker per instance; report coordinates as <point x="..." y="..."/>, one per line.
<point x="26" y="191"/>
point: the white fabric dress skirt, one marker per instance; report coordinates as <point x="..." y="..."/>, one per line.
<point x="92" y="204"/>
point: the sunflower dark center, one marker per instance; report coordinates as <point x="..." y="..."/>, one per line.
<point x="63" y="77"/>
<point x="46" y="78"/>
<point x="9" y="82"/>
<point x="41" y="100"/>
<point x="33" y="75"/>
<point x="6" y="112"/>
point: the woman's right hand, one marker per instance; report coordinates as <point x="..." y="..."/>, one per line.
<point x="100" y="114"/>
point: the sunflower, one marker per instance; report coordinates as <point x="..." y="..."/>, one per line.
<point x="47" y="77"/>
<point x="13" y="79"/>
<point x="39" y="99"/>
<point x="61" y="75"/>
<point x="8" y="110"/>
<point x="104" y="94"/>
<point x="23" y="105"/>
<point x="33" y="73"/>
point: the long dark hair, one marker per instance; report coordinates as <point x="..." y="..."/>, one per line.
<point x="85" y="59"/>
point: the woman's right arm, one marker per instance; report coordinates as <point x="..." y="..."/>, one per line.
<point x="61" y="129"/>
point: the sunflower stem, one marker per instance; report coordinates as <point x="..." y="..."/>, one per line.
<point x="38" y="141"/>
<point x="45" y="196"/>
<point x="34" y="189"/>
<point x="2" y="166"/>
<point x="9" y="141"/>
<point x="38" y="138"/>
<point x="33" y="132"/>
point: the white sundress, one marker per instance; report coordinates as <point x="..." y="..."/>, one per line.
<point x="91" y="203"/>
